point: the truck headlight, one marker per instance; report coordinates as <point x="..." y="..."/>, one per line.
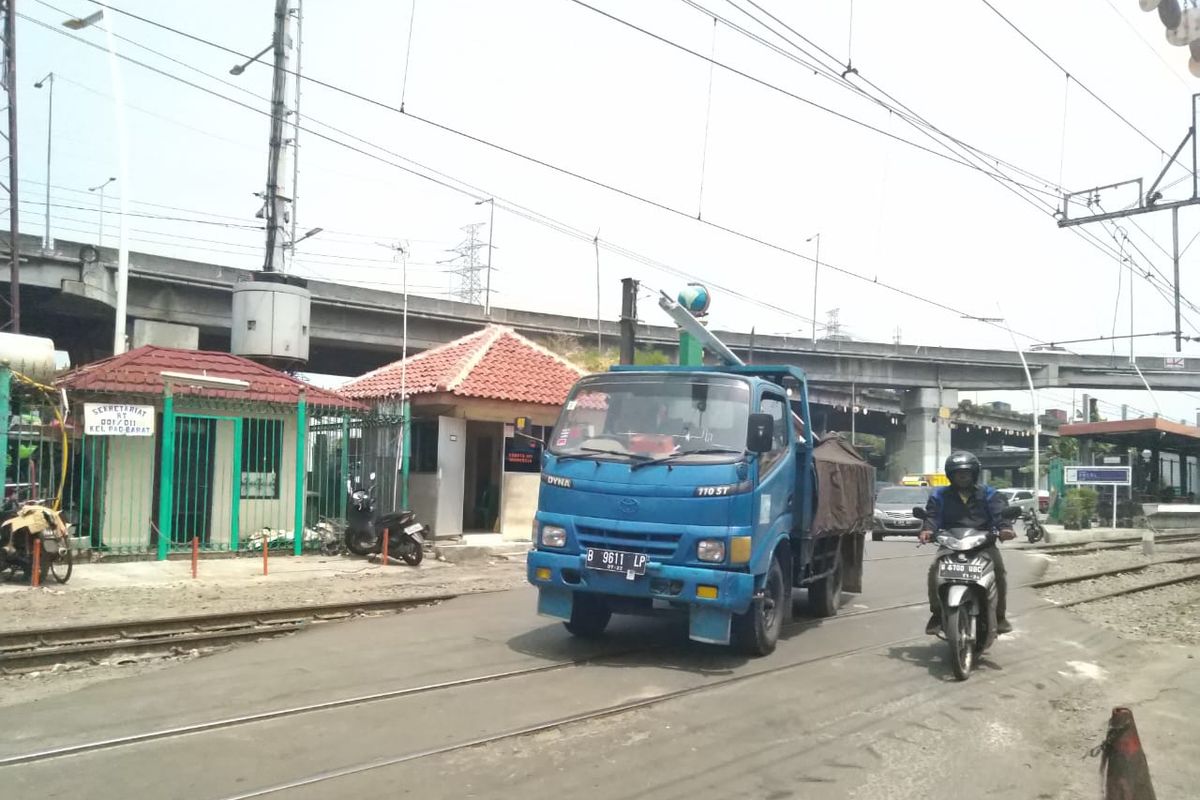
<point x="711" y="550"/>
<point x="553" y="536"/>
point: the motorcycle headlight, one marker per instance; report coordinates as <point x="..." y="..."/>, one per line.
<point x="553" y="536"/>
<point x="711" y="550"/>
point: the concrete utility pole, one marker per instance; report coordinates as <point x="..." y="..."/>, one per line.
<point x="629" y="292"/>
<point x="14" y="223"/>
<point x="1147" y="202"/>
<point x="278" y="197"/>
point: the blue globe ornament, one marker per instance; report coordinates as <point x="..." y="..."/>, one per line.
<point x="695" y="298"/>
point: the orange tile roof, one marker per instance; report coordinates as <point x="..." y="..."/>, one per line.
<point x="495" y="363"/>
<point x="138" y="372"/>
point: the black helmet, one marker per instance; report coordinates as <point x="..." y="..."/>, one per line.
<point x="963" y="460"/>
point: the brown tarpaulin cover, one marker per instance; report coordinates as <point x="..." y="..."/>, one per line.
<point x="845" y="488"/>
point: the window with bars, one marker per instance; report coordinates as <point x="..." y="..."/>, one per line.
<point x="262" y="457"/>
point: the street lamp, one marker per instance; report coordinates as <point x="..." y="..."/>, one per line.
<point x="1037" y="417"/>
<point x="238" y="69"/>
<point x="311" y="233"/>
<point x="100" y="189"/>
<point x="47" y="242"/>
<point x="123" y="171"/>
<point x="816" y="273"/>
<point x="487" y="293"/>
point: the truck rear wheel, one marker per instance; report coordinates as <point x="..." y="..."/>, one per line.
<point x="589" y="616"/>
<point x="756" y="632"/>
<point x="825" y="595"/>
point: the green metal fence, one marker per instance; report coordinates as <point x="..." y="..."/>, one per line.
<point x="342" y="447"/>
<point x="236" y="476"/>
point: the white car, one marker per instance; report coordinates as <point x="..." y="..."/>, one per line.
<point x="1023" y="498"/>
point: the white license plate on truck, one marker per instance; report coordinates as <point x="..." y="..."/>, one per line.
<point x="616" y="561"/>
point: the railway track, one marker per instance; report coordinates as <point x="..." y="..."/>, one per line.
<point x="1110" y="544"/>
<point x="278" y="621"/>
<point x="21" y="651"/>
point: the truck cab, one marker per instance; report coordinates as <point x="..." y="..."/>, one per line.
<point x="688" y="488"/>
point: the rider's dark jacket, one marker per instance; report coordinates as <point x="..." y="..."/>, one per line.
<point x="981" y="510"/>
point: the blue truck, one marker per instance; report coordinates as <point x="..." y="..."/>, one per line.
<point x="698" y="489"/>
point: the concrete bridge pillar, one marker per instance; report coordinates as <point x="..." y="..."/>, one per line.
<point x="926" y="435"/>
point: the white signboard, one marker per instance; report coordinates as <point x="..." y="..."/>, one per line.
<point x="100" y="419"/>
<point x="1097" y="476"/>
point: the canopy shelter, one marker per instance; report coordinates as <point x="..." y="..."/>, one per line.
<point x="1166" y="457"/>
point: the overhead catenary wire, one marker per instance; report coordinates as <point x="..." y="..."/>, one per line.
<point x="908" y="115"/>
<point x="585" y="237"/>
<point x="1076" y="80"/>
<point x="389" y="107"/>
<point x="747" y="237"/>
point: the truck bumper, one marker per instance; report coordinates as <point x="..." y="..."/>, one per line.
<point x="559" y="576"/>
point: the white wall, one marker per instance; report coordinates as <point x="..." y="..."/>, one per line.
<point x="518" y="503"/>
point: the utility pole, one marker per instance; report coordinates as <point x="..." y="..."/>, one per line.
<point x="48" y="240"/>
<point x="1147" y="202"/>
<point x="9" y="79"/>
<point x="629" y="292"/>
<point x="816" y="274"/>
<point x="279" y="194"/>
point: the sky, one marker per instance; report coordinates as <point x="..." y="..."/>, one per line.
<point x="760" y="148"/>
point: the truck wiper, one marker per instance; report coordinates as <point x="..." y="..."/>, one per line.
<point x="702" y="451"/>
<point x="601" y="451"/>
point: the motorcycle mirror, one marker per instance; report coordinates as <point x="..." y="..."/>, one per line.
<point x="919" y="512"/>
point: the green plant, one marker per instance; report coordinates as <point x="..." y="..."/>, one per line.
<point x="1079" y="507"/>
<point x="650" y="358"/>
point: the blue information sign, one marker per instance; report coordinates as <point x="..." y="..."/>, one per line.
<point x="1108" y="476"/>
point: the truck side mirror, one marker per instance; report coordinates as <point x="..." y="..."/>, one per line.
<point x="522" y="426"/>
<point x="760" y="433"/>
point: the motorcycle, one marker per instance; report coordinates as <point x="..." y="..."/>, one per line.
<point x="1034" y="530"/>
<point x="24" y="525"/>
<point x="364" y="531"/>
<point x="966" y="584"/>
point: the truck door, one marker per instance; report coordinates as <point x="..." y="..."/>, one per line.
<point x="776" y="483"/>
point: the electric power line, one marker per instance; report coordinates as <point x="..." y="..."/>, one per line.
<point x="1077" y="82"/>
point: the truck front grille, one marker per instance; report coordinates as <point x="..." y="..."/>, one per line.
<point x="656" y="545"/>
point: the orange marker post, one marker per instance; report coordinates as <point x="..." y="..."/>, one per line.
<point x="195" y="554"/>
<point x="36" y="580"/>
<point x="386" y="534"/>
<point x="266" y="551"/>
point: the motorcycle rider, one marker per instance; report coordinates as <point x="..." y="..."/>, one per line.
<point x="965" y="503"/>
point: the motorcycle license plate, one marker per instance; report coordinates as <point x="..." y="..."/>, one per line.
<point x="956" y="570"/>
<point x="616" y="561"/>
<point x="414" y="528"/>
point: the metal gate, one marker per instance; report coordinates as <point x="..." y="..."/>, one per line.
<point x="198" y="496"/>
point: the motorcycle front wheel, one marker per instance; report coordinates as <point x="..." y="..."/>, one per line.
<point x="63" y="564"/>
<point x="960" y="635"/>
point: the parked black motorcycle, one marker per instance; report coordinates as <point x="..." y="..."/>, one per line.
<point x="364" y="531"/>
<point x="1034" y="530"/>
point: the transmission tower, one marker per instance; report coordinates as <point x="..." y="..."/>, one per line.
<point x="833" y="327"/>
<point x="467" y="266"/>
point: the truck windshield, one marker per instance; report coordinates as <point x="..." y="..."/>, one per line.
<point x="638" y="416"/>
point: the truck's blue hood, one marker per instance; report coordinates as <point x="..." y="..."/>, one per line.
<point x="709" y="495"/>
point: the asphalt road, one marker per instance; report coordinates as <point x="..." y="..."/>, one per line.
<point x="859" y="706"/>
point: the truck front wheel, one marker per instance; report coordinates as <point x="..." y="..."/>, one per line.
<point x="589" y="616"/>
<point x="756" y="632"/>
